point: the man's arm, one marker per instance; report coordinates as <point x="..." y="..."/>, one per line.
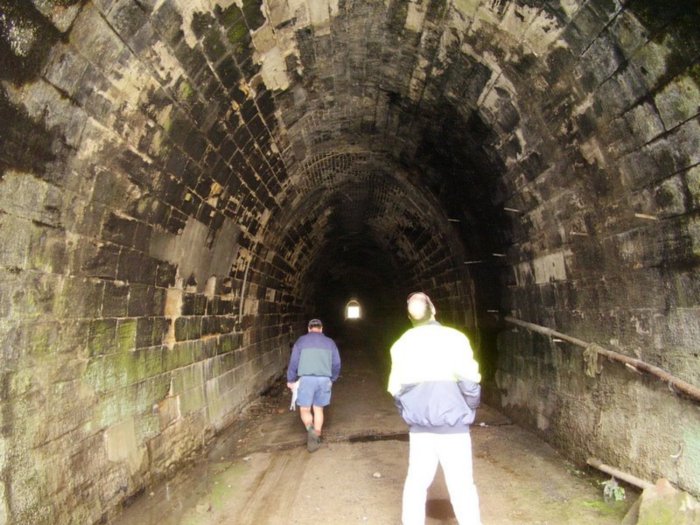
<point x="394" y="376"/>
<point x="335" y="364"/>
<point x="466" y="366"/>
<point x="293" y="364"/>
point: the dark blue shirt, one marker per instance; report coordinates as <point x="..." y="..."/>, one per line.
<point x="314" y="354"/>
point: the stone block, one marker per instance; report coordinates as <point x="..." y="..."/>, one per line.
<point x="213" y="46"/>
<point x="176" y="444"/>
<point x="48" y="250"/>
<point x="142" y="300"/>
<point x="98" y="41"/>
<point x="663" y="503"/>
<point x="621" y="91"/>
<point x="683" y="145"/>
<point x="145" y="332"/>
<point x="79" y="297"/>
<point x="136" y="267"/>
<point x="678" y="101"/>
<point x="121" y="446"/>
<point x="102" y="337"/>
<point x="692" y="177"/>
<point x="602" y="59"/>
<point x="670" y="196"/>
<point x="179" y="356"/>
<point x="126" y="335"/>
<point x="644" y="122"/>
<point x="144" y="396"/>
<point x="30" y="198"/>
<point x="639" y="168"/>
<point x="168" y="411"/>
<point x="195" y="145"/>
<point x="15" y="234"/>
<point x="126" y="17"/>
<point x="119" y="229"/>
<point x="193" y="401"/>
<point x="188" y="328"/>
<point x="677" y="328"/>
<point x="628" y="31"/>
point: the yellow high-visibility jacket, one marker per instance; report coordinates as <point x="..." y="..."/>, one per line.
<point x="434" y="379"/>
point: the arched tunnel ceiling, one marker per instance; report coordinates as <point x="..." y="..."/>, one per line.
<point x="281" y="116"/>
<point x="348" y="204"/>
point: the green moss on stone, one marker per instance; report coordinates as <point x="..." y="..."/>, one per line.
<point x="238" y="34"/>
<point x="42" y="339"/>
<point x="102" y="336"/>
<point x="213" y="46"/>
<point x="180" y="355"/>
<point x="108" y="412"/>
<point x="605" y="508"/>
<point x="141" y="364"/>
<point x="149" y="392"/>
<point x="226" y="344"/>
<point x="230" y="16"/>
<point x="126" y="334"/>
<point x="252" y="10"/>
<point x="95" y="374"/>
<point x="185" y="90"/>
<point x="21" y="382"/>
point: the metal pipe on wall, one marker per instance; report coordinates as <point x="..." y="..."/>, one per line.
<point x="689" y="390"/>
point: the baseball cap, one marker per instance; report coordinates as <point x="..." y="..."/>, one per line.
<point x="315" y="323"/>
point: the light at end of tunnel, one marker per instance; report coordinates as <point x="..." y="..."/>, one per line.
<point x="353" y="310"/>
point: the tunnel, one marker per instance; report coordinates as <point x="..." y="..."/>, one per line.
<point x="184" y="183"/>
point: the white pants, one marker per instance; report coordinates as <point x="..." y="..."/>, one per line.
<point x="454" y="453"/>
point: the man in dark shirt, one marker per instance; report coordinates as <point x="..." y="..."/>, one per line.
<point x="315" y="363"/>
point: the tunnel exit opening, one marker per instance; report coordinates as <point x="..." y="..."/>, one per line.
<point x="353" y="310"/>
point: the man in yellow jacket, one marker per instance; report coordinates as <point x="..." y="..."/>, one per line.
<point x="435" y="383"/>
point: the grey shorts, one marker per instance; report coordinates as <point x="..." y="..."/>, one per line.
<point x="314" y="390"/>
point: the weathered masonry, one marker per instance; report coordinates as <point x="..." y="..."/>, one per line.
<point x="183" y="182"/>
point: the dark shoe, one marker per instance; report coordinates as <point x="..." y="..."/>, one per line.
<point x="313" y="440"/>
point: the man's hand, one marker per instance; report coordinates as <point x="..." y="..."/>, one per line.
<point x="290" y="385"/>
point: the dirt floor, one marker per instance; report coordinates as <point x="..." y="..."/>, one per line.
<point x="259" y="473"/>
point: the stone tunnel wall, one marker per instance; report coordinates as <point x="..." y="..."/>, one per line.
<point x="136" y="322"/>
<point x="156" y="236"/>
<point x="611" y="256"/>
